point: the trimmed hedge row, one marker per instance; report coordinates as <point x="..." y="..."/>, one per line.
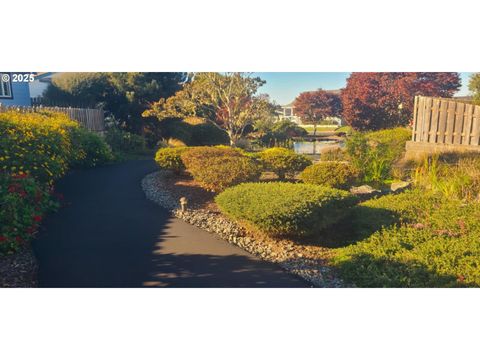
<point x="284" y="208"/>
<point x="283" y="162"/>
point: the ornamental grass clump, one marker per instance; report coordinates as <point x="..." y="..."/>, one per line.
<point x="216" y="168"/>
<point x="332" y="173"/>
<point x="283" y="162"/>
<point x="296" y="210"/>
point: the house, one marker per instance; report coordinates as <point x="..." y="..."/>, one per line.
<point x="41" y="81"/>
<point x="14" y="89"/>
<point x="287" y="112"/>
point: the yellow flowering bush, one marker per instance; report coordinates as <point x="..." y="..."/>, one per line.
<point x="37" y="144"/>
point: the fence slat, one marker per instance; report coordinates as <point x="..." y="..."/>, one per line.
<point x="450" y="122"/>
<point x="475" y="140"/>
<point x="442" y="122"/>
<point x="434" y="121"/>
<point x="427" y="118"/>
<point x="467" y="124"/>
<point x="459" y="118"/>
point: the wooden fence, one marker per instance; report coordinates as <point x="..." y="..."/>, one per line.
<point x="445" y="121"/>
<point x="92" y="119"/>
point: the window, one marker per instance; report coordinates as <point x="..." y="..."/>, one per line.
<point x="5" y="86"/>
<point x="288" y="111"/>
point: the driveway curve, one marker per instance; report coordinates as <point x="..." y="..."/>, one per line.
<point x="109" y="235"/>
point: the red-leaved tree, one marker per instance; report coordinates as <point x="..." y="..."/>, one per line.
<point x="314" y="106"/>
<point x="381" y="100"/>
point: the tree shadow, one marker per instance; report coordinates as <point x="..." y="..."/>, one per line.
<point x="364" y="270"/>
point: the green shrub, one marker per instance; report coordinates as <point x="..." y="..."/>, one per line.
<point x="23" y="203"/>
<point x="335" y="174"/>
<point x="283" y="162"/>
<point x="36" y="143"/>
<point x="125" y="142"/>
<point x="217" y="168"/>
<point x="285" y="208"/>
<point x="414" y="239"/>
<point x="335" y="154"/>
<point x="90" y="149"/>
<point x="375" y="153"/>
<point x="453" y="176"/>
<point x="171" y="158"/>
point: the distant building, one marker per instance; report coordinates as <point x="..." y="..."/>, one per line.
<point x="287" y="112"/>
<point x="41" y="82"/>
<point x="14" y="91"/>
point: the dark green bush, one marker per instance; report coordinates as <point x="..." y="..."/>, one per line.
<point x="90" y="149"/>
<point x="125" y="142"/>
<point x="285" y="208"/>
<point x="171" y="158"/>
<point x="217" y="168"/>
<point x="283" y="162"/>
<point x="332" y="173"/>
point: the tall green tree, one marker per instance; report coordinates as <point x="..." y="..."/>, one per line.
<point x="229" y="100"/>
<point x="474" y="87"/>
<point x="125" y="95"/>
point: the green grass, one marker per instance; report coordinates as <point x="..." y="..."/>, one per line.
<point x="310" y="128"/>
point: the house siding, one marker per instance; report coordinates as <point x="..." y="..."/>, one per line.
<point x="20" y="95"/>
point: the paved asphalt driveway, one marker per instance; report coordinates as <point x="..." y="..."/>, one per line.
<point x="110" y="235"/>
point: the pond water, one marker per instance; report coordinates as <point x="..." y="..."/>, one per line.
<point x="315" y="147"/>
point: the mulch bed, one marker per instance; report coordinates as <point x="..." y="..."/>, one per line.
<point x="19" y="269"/>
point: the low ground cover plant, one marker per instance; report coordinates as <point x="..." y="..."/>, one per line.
<point x="283" y="162"/>
<point x="171" y="158"/>
<point x="415" y="239"/>
<point x="217" y="168"/>
<point x="284" y="208"/>
<point x="336" y="174"/>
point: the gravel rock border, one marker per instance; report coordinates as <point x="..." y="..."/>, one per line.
<point x="297" y="259"/>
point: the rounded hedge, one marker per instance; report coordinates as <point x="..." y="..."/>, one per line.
<point x="171" y="158"/>
<point x="283" y="162"/>
<point x="332" y="173"/>
<point x="285" y="208"/>
<point x="217" y="168"/>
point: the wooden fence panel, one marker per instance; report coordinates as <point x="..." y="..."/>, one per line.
<point x="92" y="119"/>
<point x="445" y="121"/>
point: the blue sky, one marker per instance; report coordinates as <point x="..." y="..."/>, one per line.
<point x="283" y="87"/>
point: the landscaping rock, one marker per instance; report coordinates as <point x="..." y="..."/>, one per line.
<point x="365" y="192"/>
<point x="303" y="261"/>
<point x="399" y="186"/>
<point x="19" y="269"/>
